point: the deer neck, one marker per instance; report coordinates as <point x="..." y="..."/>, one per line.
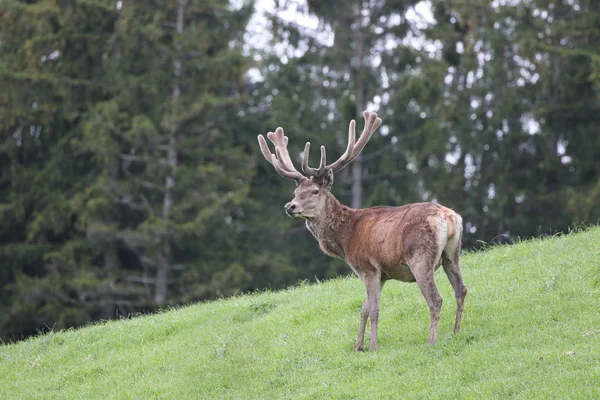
<point x="330" y="226"/>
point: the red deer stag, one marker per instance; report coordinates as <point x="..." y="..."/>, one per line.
<point x="406" y="243"/>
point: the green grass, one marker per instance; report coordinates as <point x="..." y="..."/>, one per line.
<point x="531" y="329"/>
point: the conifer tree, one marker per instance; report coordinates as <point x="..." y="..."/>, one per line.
<point x="124" y="164"/>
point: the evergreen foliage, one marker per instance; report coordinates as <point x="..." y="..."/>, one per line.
<point x="130" y="176"/>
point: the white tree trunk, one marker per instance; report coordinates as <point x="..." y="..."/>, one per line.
<point x="164" y="260"/>
<point x="359" y="56"/>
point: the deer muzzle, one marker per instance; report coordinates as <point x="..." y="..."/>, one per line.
<point x="290" y="209"/>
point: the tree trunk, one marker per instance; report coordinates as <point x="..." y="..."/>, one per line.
<point x="359" y="56"/>
<point x="164" y="260"/>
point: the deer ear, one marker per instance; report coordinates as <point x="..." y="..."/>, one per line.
<point x="328" y="179"/>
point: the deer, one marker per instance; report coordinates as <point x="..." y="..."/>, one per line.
<point x="406" y="243"/>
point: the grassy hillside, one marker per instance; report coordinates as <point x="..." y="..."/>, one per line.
<point x="531" y="329"/>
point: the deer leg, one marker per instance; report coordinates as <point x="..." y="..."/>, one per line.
<point x="423" y="273"/>
<point x="364" y="314"/>
<point x="452" y="269"/>
<point x="373" y="285"/>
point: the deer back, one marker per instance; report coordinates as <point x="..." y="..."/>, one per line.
<point x="391" y="236"/>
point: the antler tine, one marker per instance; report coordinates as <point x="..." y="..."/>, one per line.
<point x="280" y="141"/>
<point x="264" y="148"/>
<point x="311" y="171"/>
<point x="281" y="159"/>
<point x="372" y="122"/>
<point x="281" y="170"/>
<point x="346" y="157"/>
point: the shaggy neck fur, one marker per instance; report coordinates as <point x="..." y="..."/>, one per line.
<point x="331" y="225"/>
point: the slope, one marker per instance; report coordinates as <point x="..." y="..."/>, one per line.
<point x="531" y="329"/>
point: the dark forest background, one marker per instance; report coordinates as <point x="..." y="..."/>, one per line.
<point x="130" y="175"/>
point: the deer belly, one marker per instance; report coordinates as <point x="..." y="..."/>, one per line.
<point x="399" y="272"/>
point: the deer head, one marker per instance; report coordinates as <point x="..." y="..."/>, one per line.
<point x="314" y="185"/>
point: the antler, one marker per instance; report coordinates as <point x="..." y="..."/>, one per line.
<point x="372" y="122"/>
<point x="281" y="159"/>
<point x="285" y="167"/>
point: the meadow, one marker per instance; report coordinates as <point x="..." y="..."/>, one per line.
<point x="531" y="329"/>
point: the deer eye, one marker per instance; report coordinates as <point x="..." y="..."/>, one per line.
<point x="315" y="192"/>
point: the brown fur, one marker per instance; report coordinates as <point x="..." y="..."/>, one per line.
<point x="384" y="236"/>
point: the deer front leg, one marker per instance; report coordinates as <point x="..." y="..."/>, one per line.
<point x="373" y="285"/>
<point x="364" y="314"/>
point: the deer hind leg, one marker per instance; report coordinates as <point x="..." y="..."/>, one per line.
<point x="451" y="264"/>
<point x="423" y="270"/>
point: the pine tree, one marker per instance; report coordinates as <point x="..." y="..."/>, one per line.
<point x="172" y="166"/>
<point x="124" y="164"/>
<point x="48" y="74"/>
<point x="510" y="109"/>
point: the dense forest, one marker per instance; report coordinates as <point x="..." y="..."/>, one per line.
<point x="130" y="175"/>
